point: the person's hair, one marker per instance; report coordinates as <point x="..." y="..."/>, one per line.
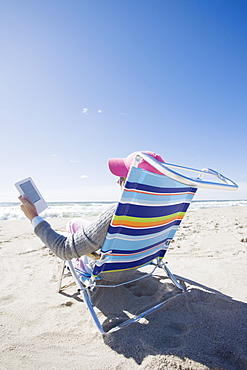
<point x="122" y="180"/>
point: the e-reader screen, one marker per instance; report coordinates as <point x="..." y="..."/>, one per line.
<point x="29" y="191"/>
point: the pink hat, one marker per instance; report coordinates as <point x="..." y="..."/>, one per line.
<point x="120" y="166"/>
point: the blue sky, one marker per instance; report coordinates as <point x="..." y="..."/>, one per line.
<point x="83" y="81"/>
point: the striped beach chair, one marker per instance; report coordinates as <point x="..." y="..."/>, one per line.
<point x="147" y="217"/>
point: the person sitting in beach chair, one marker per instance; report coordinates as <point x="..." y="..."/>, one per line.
<point x="84" y="239"/>
<point x="132" y="235"/>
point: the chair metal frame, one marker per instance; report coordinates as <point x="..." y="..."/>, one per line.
<point x="86" y="288"/>
<point x="91" y="284"/>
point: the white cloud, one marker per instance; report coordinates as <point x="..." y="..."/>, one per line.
<point x="84" y="176"/>
<point x="99" y="111"/>
<point x="85" y="110"/>
<point x="73" y="161"/>
<point x="123" y="114"/>
<point x="54" y="155"/>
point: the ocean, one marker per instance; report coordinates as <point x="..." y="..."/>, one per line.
<point x="11" y="211"/>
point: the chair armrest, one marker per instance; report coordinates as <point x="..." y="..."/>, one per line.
<point x="165" y="168"/>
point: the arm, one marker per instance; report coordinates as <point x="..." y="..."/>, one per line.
<point x="85" y="241"/>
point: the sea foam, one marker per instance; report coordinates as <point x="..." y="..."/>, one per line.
<point x="12" y="211"/>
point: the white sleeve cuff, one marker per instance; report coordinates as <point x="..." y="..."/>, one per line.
<point x="36" y="220"/>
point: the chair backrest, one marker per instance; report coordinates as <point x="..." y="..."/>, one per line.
<point x="148" y="214"/>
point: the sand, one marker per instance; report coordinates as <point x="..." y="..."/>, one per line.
<point x="204" y="328"/>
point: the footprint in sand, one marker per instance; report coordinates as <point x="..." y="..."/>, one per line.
<point x="176" y="328"/>
<point x="173" y="336"/>
<point x="147" y="288"/>
<point x="66" y="304"/>
<point x="8" y="297"/>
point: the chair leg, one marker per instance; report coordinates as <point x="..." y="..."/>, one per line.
<point x="86" y="298"/>
<point x="60" y="278"/>
<point x="172" y="277"/>
<point x="93" y="314"/>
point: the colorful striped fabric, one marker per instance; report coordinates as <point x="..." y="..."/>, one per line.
<point x="147" y="216"/>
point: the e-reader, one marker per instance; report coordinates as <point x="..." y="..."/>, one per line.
<point x="28" y="188"/>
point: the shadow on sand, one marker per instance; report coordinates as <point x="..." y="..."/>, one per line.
<point x="202" y="324"/>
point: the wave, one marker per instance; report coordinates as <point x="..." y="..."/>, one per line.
<point x="12" y="211"/>
<point x="200" y="204"/>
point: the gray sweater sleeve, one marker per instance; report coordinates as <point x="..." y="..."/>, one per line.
<point x="84" y="241"/>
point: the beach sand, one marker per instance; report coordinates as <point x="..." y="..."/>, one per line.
<point x="204" y="328"/>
